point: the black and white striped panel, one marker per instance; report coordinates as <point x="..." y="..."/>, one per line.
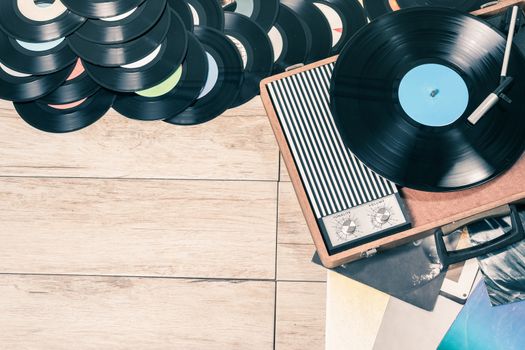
<point x="335" y="180"/>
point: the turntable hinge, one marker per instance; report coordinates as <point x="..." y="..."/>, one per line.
<point x="295" y="66"/>
<point x="369" y="253"/>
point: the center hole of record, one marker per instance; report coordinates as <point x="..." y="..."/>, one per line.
<point x="277" y="43"/>
<point x="241" y="48"/>
<point x="43" y="3"/>
<point x="244" y="7"/>
<point x="433" y="95"/>
<point x="213" y="76"/>
<point x="336" y="23"/>
<point x="40" y="10"/>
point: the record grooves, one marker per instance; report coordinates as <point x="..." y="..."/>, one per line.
<point x="256" y="50"/>
<point x="262" y="12"/>
<point x="317" y="26"/>
<point x="182" y="8"/>
<point x="101" y="8"/>
<point x="139" y="76"/>
<point x="50" y="119"/>
<point x="208" y="13"/>
<point x="126" y="29"/>
<point x="170" y="104"/>
<point x="43" y="59"/>
<point x="122" y="54"/>
<point x="351" y="15"/>
<point x="218" y="95"/>
<point x="290" y="34"/>
<point x="53" y="22"/>
<point x="376" y="8"/>
<point x="30" y="87"/>
<point x="77" y="87"/>
<point x="417" y="134"/>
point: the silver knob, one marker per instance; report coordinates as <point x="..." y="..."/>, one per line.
<point x="349" y="227"/>
<point x="382" y="216"/>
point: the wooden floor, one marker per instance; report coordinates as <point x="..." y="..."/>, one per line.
<point x="132" y="235"/>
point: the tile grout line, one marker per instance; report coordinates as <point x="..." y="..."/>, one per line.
<point x="159" y="179"/>
<point x="278" y="188"/>
<point x="189" y="278"/>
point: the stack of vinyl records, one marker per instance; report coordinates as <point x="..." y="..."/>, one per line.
<point x="65" y="63"/>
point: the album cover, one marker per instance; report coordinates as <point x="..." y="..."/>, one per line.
<point x="481" y="326"/>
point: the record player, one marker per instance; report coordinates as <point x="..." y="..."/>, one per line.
<point x="354" y="207"/>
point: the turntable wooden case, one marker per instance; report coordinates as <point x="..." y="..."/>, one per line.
<point x="428" y="211"/>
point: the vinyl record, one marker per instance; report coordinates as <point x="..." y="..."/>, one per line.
<point x="263" y="12"/>
<point x="207" y="13"/>
<point x="124" y="28"/>
<point x="101" y="8"/>
<point x="182" y="8"/>
<point x="28" y="21"/>
<point x="149" y="71"/>
<point x="376" y="8"/>
<point x="290" y="40"/>
<point x="78" y="86"/>
<point x="115" y="55"/>
<point x="256" y="52"/>
<point x="317" y="26"/>
<point x="66" y="118"/>
<point x="223" y="82"/>
<point x="20" y="87"/>
<point x="174" y="95"/>
<point x="345" y="17"/>
<point x="35" y="58"/>
<point x="406" y="119"/>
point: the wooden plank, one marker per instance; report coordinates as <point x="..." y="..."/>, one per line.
<point x="138" y="228"/>
<point x="47" y="312"/>
<point x="294" y="243"/>
<point x="283" y="172"/>
<point x="300" y="316"/>
<point x="249" y="109"/>
<point x="232" y="148"/>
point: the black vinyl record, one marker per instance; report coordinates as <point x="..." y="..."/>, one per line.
<point x="182" y="8"/>
<point x="102" y="31"/>
<point x="33" y="58"/>
<point x="194" y="72"/>
<point x="115" y="55"/>
<point x="21" y="27"/>
<point x="227" y="70"/>
<point x="134" y="77"/>
<point x="290" y="34"/>
<point x="256" y="51"/>
<point x="54" y="120"/>
<point x="78" y="86"/>
<point x="208" y="13"/>
<point x="345" y="17"/>
<point x="376" y="8"/>
<point x="402" y="91"/>
<point x="101" y="8"/>
<point x="22" y="87"/>
<point x="263" y="12"/>
<point x="317" y="26"/>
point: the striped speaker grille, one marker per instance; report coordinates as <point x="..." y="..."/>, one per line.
<point x="334" y="179"/>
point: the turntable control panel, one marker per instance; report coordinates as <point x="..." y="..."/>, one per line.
<point x="365" y="221"/>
